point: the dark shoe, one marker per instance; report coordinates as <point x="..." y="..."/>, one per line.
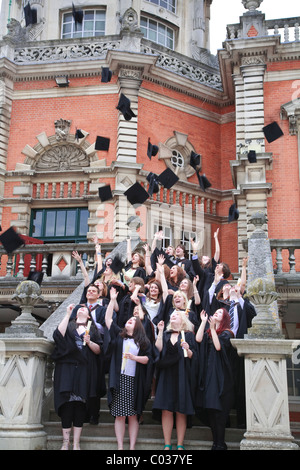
<point x="94" y="420"/>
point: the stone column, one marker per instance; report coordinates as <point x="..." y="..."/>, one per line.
<point x="265" y="351"/>
<point x="23" y="356"/>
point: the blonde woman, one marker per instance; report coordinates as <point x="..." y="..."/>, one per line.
<point x="176" y="374"/>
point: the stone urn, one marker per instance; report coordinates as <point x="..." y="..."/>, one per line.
<point x="251" y="5"/>
<point x="27" y="294"/>
<point x="261" y="292"/>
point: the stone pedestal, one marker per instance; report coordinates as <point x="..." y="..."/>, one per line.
<point x="23" y="355"/>
<point x="22" y="376"/>
<point x="267" y="412"/>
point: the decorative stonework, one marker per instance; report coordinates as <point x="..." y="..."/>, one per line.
<point x="176" y="152"/>
<point x="63" y="157"/>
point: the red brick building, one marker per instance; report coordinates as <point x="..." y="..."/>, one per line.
<point x="184" y="100"/>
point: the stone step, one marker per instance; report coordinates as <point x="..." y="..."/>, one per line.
<point x="150" y="437"/>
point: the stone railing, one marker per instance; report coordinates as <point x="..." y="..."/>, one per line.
<point x="286" y="263"/>
<point x="288" y="27"/>
<point x="54" y="260"/>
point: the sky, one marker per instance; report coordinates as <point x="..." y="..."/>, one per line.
<point x="225" y="12"/>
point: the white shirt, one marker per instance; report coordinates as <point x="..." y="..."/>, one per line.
<point x="128" y="366"/>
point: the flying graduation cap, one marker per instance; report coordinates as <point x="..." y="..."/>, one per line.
<point x="77" y="15"/>
<point x="105" y="193"/>
<point x="30" y="15"/>
<point x="252" y="156"/>
<point x="11" y="240"/>
<point x="106" y="75"/>
<point x="272" y="131"/>
<point x="36" y="276"/>
<point x="136" y="194"/>
<point x="117" y="264"/>
<point x="153" y="183"/>
<point x="79" y="134"/>
<point x="102" y="143"/>
<point x="233" y="213"/>
<point x="195" y="162"/>
<point x="167" y="178"/>
<point x="124" y="107"/>
<point x="151" y="150"/>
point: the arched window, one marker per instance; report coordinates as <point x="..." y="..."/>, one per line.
<point x="157" y="32"/>
<point x="93" y="24"/>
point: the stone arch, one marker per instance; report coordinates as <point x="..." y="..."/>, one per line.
<point x="60" y="152"/>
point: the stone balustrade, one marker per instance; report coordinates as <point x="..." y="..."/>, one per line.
<point x="289" y="27"/>
<point x="287" y="263"/>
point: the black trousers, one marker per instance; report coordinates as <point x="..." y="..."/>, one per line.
<point x="73" y="413"/>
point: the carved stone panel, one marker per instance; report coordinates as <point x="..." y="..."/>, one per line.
<point x="62" y="157"/>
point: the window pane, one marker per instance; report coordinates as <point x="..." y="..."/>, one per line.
<point x="37" y="224"/>
<point x="71" y="223"/>
<point x="89" y="15"/>
<point x="50" y="223"/>
<point x="83" y="222"/>
<point x="60" y="223"/>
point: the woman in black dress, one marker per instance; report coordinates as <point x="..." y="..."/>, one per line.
<point x="129" y="374"/>
<point x="77" y="374"/>
<point x="175" y="390"/>
<point x="215" y="385"/>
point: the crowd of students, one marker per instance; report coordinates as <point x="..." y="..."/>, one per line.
<point x="160" y="328"/>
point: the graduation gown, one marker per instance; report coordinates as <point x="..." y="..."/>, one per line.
<point x="143" y="373"/>
<point x="77" y="371"/>
<point x="215" y="379"/>
<point x="176" y="377"/>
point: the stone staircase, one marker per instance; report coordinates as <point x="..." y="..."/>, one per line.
<point x="150" y="437"/>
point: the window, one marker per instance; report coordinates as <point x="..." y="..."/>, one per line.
<point x="167" y="239"/>
<point x="293" y="378"/>
<point x="186" y="241"/>
<point x="93" y="24"/>
<point x="167" y="4"/>
<point x="157" y="32"/>
<point x="52" y="225"/>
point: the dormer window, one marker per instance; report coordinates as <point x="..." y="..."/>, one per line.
<point x="157" y="32"/>
<point x="93" y="24"/>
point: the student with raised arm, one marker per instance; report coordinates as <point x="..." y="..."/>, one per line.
<point x="175" y="380"/>
<point x="215" y="379"/>
<point x="129" y="382"/>
<point x="76" y="376"/>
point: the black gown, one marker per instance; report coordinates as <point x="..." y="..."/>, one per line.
<point x="77" y="371"/>
<point x="215" y="379"/>
<point x="143" y="373"/>
<point x="176" y="377"/>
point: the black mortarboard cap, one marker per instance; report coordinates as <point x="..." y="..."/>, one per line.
<point x="77" y="15"/>
<point x="203" y="181"/>
<point x="153" y="183"/>
<point x="272" y="131"/>
<point x="117" y="265"/>
<point x="195" y="160"/>
<point x="102" y="143"/>
<point x="124" y="107"/>
<point x="36" y="276"/>
<point x="106" y="75"/>
<point x="105" y="193"/>
<point x="10" y="240"/>
<point x="30" y="15"/>
<point x="252" y="156"/>
<point x="233" y="213"/>
<point x="152" y="149"/>
<point x="167" y="178"/>
<point x="136" y="194"/>
<point x="79" y="134"/>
